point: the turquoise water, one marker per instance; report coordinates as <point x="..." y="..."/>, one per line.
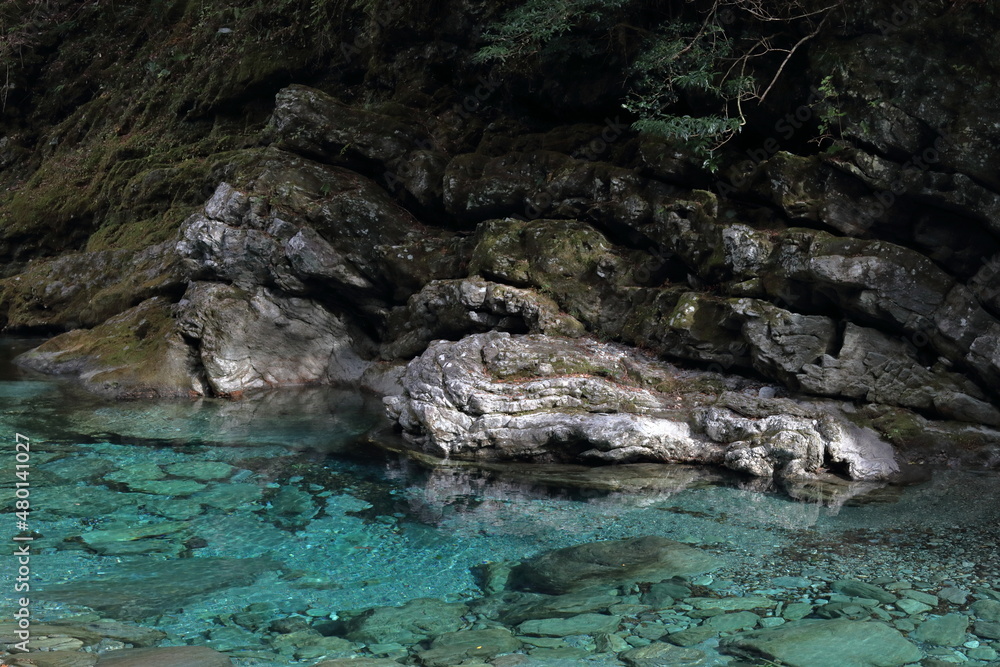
<point x="180" y="515"/>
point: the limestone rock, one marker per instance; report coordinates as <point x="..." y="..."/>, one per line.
<point x="310" y="121"/>
<point x="881" y="369"/>
<point x="472" y="305"/>
<point x="886" y="283"/>
<point x="263" y="339"/>
<point x="478" y="187"/>
<point x="495" y="396"/>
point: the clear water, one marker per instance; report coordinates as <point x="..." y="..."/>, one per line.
<point x="312" y="519"/>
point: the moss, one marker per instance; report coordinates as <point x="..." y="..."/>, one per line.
<point x="125" y="108"/>
<point x="499" y="252"/>
<point x="138" y="353"/>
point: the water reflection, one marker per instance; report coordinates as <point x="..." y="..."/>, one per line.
<point x="198" y="512"/>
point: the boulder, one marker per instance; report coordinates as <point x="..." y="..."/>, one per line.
<point x="610" y="564"/>
<point x="250" y="340"/>
<point x="139" y="353"/>
<point x="495" y="396"/>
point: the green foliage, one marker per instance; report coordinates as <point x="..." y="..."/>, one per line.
<point x="537" y="28"/>
<point x="677" y="61"/>
<point x="689" y="67"/>
<point x="829" y="113"/>
<point x="688" y="59"/>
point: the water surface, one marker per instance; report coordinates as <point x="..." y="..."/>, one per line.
<point x="178" y="515"/>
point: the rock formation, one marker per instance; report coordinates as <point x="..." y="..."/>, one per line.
<point x="819" y="307"/>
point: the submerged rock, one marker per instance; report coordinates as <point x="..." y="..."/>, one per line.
<point x="611" y="563"/>
<point x="136" y="591"/>
<point x="452" y="648"/>
<point x="826" y="643"/>
<point x="413" y="622"/>
<point x="947" y="630"/>
<point x="53" y="658"/>
<point x="495" y="396"/>
<point x="170" y="656"/>
<point x="583" y="624"/>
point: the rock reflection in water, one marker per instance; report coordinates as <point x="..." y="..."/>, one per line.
<point x="324" y="419"/>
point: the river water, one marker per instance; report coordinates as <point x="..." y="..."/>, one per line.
<point x="179" y="515"/>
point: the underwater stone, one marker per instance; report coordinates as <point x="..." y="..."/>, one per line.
<point x="78" y="468"/>
<point x="358" y="662"/>
<point x="826" y="643"/>
<point x="134" y="473"/>
<point x="732" y="604"/>
<point x="611" y="563"/>
<point x="987" y="610"/>
<point x="170" y="656"/>
<point x="948" y="630"/>
<point x="987" y="629"/>
<point x="583" y="624"/>
<point x="741" y="620"/>
<point x="138" y="590"/>
<point x="452" y="648"/>
<point x="559" y="606"/>
<point x="862" y="590"/>
<point x="202" y="471"/>
<point x="660" y="653"/>
<point x="167" y="487"/>
<point x="230" y="496"/>
<point x="44" y="656"/>
<point x="912" y="607"/>
<point x="413" y="622"/>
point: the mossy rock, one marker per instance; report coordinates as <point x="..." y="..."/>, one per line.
<point x="137" y="354"/>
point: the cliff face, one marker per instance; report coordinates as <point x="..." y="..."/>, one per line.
<point x="248" y="197"/>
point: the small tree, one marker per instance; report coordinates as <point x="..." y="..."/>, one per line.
<point x="698" y="62"/>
